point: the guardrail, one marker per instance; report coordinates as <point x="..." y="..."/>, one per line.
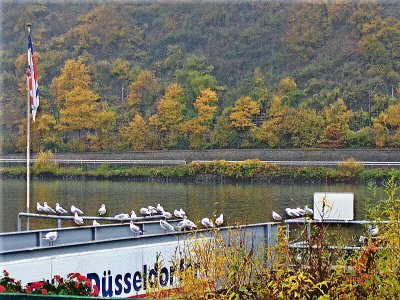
<point x="59" y="218"/>
<point x="314" y="163"/>
<point x="102" y="161"/>
<point x="183" y="162"/>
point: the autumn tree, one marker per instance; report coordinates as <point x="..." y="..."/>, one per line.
<point x="275" y="131"/>
<point x="106" y="26"/>
<point x="198" y="128"/>
<point x="136" y="134"/>
<point x="242" y="117"/>
<point x="43" y="135"/>
<point x="169" y="114"/>
<point x="306" y="128"/>
<point x="74" y="74"/>
<point x="143" y="93"/>
<point x="337" y="118"/>
<point x="224" y="135"/>
<point x="80" y="110"/>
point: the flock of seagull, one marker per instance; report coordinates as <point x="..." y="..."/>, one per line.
<point x="184" y="224"/>
<point x="294" y="213"/>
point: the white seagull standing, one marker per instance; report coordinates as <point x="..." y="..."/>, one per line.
<point x="145" y="211"/>
<point x="179" y="213"/>
<point x="166" y="226"/>
<point x="300" y="211"/>
<point x="276" y="216"/>
<point x="51" y="237"/>
<point x="186" y="224"/>
<point x="220" y="220"/>
<point x="159" y="208"/>
<point x="206" y="223"/>
<point x="39" y="207"/>
<point x="48" y="209"/>
<point x="167" y="214"/>
<point x="292" y="212"/>
<point x="102" y="210"/>
<point x="308" y="210"/>
<point x="60" y="210"/>
<point x="135" y="229"/>
<point x="95" y="223"/>
<point x="152" y="210"/>
<point x="74" y="210"/>
<point x="77" y="219"/>
<point x="133" y="216"/>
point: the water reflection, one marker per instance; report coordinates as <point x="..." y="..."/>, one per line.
<point x="240" y="202"/>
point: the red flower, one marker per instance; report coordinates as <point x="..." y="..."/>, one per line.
<point x="2" y="289"/>
<point x="88" y="283"/>
<point x="95" y="291"/>
<point x="57" y="278"/>
<point x="5" y="273"/>
<point x="28" y="289"/>
<point x="76" y="285"/>
<point x="44" y="292"/>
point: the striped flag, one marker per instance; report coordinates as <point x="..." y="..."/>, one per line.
<point x="32" y="79"/>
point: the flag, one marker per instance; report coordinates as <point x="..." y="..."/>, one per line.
<point x="32" y="79"/>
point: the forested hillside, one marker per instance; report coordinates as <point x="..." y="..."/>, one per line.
<point x="202" y="75"/>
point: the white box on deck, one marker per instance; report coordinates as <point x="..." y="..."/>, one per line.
<point x="334" y="206"/>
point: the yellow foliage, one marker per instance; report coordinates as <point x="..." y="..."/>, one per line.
<point x="243" y="112"/>
<point x="136" y="133"/>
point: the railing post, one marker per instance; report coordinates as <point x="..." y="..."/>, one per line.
<point x="19" y="222"/>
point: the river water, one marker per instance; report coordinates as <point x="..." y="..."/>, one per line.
<point x="239" y="202"/>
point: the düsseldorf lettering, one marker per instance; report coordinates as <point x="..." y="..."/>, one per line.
<point x="135" y="282"/>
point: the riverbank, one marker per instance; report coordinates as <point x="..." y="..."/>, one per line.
<point x="217" y="171"/>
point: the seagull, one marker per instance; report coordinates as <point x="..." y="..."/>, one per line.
<point x="159" y="208"/>
<point x="166" y="226"/>
<point x="179" y="213"/>
<point x="51" y="237"/>
<point x="134" y="228"/>
<point x="133" y="215"/>
<point x="220" y="220"/>
<point x="300" y="211"/>
<point x="152" y="210"/>
<point x="374" y="231"/>
<point x="95" y="223"/>
<point x="292" y="212"/>
<point x="48" y="209"/>
<point x="167" y="214"/>
<point x="308" y="210"/>
<point x="60" y="210"/>
<point x="186" y="224"/>
<point x="77" y="219"/>
<point x="122" y="217"/>
<point x="39" y="207"/>
<point x="276" y="216"/>
<point x="206" y="223"/>
<point x="145" y="211"/>
<point x="102" y="210"/>
<point x="74" y="210"/>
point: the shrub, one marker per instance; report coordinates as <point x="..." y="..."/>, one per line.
<point x="44" y="164"/>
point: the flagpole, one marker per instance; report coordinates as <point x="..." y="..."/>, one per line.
<point x="28" y="145"/>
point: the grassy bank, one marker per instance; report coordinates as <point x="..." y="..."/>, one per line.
<point x="249" y="170"/>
